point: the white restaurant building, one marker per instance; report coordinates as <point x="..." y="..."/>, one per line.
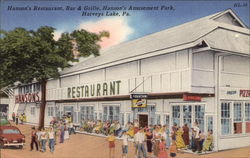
<point x="197" y="71"/>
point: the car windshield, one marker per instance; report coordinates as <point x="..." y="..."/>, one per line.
<point x="10" y="131"/>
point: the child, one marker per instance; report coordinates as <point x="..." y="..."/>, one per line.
<point x="124" y="144"/>
<point x="162" y="146"/>
<point x="173" y="149"/>
<point x="111" y="140"/>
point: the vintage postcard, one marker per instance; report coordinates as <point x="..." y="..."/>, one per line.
<point x="124" y="79"/>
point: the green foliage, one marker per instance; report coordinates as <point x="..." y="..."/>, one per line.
<point x="25" y="55"/>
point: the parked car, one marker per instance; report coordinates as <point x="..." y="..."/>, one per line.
<point x="11" y="136"/>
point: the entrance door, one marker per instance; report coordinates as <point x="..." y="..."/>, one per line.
<point x="143" y="120"/>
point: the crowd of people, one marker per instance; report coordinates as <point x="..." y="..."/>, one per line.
<point x="59" y="128"/>
<point x="16" y="117"/>
<point x="154" y="140"/>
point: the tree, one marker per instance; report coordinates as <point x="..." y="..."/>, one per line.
<point x="28" y="55"/>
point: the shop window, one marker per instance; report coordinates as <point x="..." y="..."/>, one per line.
<point x="100" y="116"/>
<point x="187" y="115"/>
<point x="33" y="111"/>
<point x="128" y="118"/>
<point x="176" y="114"/>
<point x="122" y="119"/>
<point x="95" y="116"/>
<point x="225" y="118"/>
<point x="166" y="120"/>
<point x="111" y="113"/>
<point x="247" y="116"/>
<point x="152" y="116"/>
<point x="199" y="116"/>
<point x="50" y="111"/>
<point x="158" y="119"/>
<point x="210" y="123"/>
<point x="237" y="118"/>
<point x="87" y="112"/>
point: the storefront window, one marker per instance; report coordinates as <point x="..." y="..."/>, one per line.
<point x="247" y="116"/>
<point x="33" y="110"/>
<point x="166" y="120"/>
<point x="122" y="119"/>
<point x="210" y="123"/>
<point x="87" y="112"/>
<point x="111" y="112"/>
<point x="187" y="115"/>
<point x="128" y="118"/>
<point x="158" y="119"/>
<point x="199" y="116"/>
<point x="152" y="117"/>
<point x="237" y="118"/>
<point x="225" y="118"/>
<point x="176" y="114"/>
<point x="50" y="111"/>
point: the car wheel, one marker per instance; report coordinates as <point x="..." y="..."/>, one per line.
<point x="1" y="145"/>
<point x="20" y="147"/>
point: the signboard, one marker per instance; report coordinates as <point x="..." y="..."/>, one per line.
<point x="234" y="93"/>
<point x="139" y="103"/>
<point x="28" y="98"/>
<point x="191" y="97"/>
<point x="139" y="100"/>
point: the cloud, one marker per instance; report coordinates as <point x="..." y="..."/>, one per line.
<point x="117" y="27"/>
<point x="57" y="34"/>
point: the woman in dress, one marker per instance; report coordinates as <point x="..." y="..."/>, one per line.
<point x="185" y="134"/>
<point x="167" y="136"/>
<point x="156" y="140"/>
<point x="162" y="150"/>
<point x="179" y="140"/>
<point x="208" y="142"/>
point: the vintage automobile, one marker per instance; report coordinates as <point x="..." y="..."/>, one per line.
<point x="11" y="136"/>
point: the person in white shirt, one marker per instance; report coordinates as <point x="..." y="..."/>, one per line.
<point x="139" y="141"/>
<point x="124" y="144"/>
<point x="51" y="134"/>
<point x="196" y="131"/>
<point x="44" y="136"/>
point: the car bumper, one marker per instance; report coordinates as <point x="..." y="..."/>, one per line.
<point x="14" y="144"/>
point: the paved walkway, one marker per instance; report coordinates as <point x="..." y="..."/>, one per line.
<point x="86" y="146"/>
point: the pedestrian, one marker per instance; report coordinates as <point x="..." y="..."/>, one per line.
<point x="179" y="140"/>
<point x="66" y="132"/>
<point x="124" y="144"/>
<point x="140" y="139"/>
<point x="208" y="142"/>
<point x="17" y="117"/>
<point x="33" y="139"/>
<point x="173" y="149"/>
<point x="21" y="119"/>
<point x="162" y="152"/>
<point x="44" y="136"/>
<point x="111" y="140"/>
<point x="51" y="134"/>
<point x="62" y="128"/>
<point x="149" y="137"/>
<point x="38" y="136"/>
<point x="13" y="116"/>
<point x="196" y="131"/>
<point x="185" y="135"/>
<point x="71" y="128"/>
<point x="167" y="134"/>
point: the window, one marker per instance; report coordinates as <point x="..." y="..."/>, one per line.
<point x="187" y="115"/>
<point x="33" y="110"/>
<point x="122" y="119"/>
<point x="87" y="112"/>
<point x="237" y="117"/>
<point x="166" y="120"/>
<point x="111" y="113"/>
<point x="225" y="118"/>
<point x="128" y="118"/>
<point x="50" y="111"/>
<point x="176" y="114"/>
<point x="100" y="116"/>
<point x="152" y="117"/>
<point x="210" y="123"/>
<point x="247" y="116"/>
<point x="158" y="119"/>
<point x="199" y="116"/>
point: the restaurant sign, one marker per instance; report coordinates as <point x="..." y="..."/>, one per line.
<point x="139" y="100"/>
<point x="94" y="90"/>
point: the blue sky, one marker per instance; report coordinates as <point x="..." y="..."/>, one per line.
<point x="138" y="24"/>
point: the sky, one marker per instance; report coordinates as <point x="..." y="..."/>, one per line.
<point x="124" y="26"/>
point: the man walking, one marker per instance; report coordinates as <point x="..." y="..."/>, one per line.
<point x="139" y="140"/>
<point x="33" y="139"/>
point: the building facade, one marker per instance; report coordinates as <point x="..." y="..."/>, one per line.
<point x="198" y="71"/>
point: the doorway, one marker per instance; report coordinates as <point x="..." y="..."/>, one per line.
<point x="143" y="120"/>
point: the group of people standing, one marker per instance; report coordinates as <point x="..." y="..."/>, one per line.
<point x="162" y="142"/>
<point x="16" y="118"/>
<point x="48" y="136"/>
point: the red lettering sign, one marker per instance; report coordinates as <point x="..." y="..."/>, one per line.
<point x="244" y="93"/>
<point x="29" y="97"/>
<point x="191" y="97"/>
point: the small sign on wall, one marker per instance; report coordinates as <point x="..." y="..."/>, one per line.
<point x="139" y="100"/>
